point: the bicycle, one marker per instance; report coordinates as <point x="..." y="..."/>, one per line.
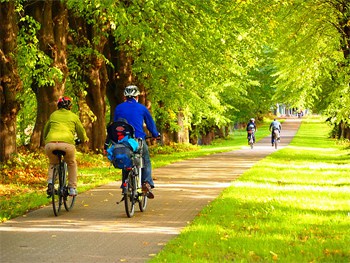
<point x="59" y="187"/>
<point x="131" y="186"/>
<point x="275" y="138"/>
<point x="251" y="138"/>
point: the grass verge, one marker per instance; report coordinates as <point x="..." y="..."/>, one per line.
<point x="293" y="206"/>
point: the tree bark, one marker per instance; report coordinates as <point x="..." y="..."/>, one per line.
<point x="97" y="78"/>
<point x="95" y="98"/>
<point x="52" y="15"/>
<point x="208" y="137"/>
<point x="10" y="83"/>
<point x="118" y="77"/>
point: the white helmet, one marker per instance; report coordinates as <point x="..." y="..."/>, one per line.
<point x="252" y="119"/>
<point x="131" y="91"/>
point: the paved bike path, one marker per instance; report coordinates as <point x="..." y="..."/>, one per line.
<point x="97" y="230"/>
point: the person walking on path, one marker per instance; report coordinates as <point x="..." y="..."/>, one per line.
<point x="136" y="115"/>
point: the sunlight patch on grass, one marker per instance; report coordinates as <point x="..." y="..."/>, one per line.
<point x="292" y="206"/>
<point x="301" y="148"/>
<point x="291" y="187"/>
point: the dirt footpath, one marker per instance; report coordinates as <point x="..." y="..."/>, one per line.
<point x="98" y="230"/>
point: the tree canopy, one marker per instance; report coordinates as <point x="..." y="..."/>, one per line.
<point x="210" y="63"/>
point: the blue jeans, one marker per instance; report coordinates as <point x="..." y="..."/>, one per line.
<point x="147" y="166"/>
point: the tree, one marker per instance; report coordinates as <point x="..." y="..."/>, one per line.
<point x="312" y="57"/>
<point x="49" y="74"/>
<point x="10" y="83"/>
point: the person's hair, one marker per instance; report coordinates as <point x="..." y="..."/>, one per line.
<point x="64" y="103"/>
<point x="131" y="91"/>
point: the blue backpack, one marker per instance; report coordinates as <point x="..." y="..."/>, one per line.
<point x="120" y="155"/>
<point x="120" y="144"/>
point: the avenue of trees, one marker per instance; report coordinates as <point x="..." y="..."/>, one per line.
<point x="201" y="65"/>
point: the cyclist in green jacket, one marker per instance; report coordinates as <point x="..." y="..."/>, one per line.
<point x="59" y="133"/>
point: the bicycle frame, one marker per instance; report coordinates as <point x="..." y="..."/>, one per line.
<point x="132" y="188"/>
<point x="251" y="138"/>
<point x="60" y="194"/>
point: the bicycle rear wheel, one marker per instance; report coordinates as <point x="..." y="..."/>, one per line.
<point x="275" y="134"/>
<point x="143" y="202"/>
<point x="129" y="196"/>
<point x="67" y="200"/>
<point x="56" y="191"/>
<point x="251" y="142"/>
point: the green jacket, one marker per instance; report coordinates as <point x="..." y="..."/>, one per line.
<point x="62" y="127"/>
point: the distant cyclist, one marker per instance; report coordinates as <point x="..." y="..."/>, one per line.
<point x="251" y="129"/>
<point x="275" y="125"/>
<point x="59" y="134"/>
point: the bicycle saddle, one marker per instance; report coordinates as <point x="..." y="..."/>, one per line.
<point x="59" y="152"/>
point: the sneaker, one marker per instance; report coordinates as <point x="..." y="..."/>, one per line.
<point x="73" y="191"/>
<point x="147" y="190"/>
<point x="49" y="189"/>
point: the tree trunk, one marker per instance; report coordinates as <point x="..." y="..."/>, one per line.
<point x="95" y="98"/>
<point x="84" y="114"/>
<point x="182" y="136"/>
<point x="118" y="77"/>
<point x="208" y="137"/>
<point x="97" y="79"/>
<point x="52" y="15"/>
<point x="10" y="83"/>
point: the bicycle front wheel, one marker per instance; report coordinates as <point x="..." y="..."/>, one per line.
<point x="143" y="202"/>
<point x="251" y="142"/>
<point x="56" y="192"/>
<point x="67" y="199"/>
<point x="129" y="196"/>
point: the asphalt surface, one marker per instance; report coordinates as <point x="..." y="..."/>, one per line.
<point x="98" y="230"/>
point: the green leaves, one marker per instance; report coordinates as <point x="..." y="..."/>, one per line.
<point x="310" y="60"/>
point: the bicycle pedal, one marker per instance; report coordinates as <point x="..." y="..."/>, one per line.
<point x="120" y="201"/>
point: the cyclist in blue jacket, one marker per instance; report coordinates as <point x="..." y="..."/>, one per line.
<point x="137" y="114"/>
<point x="275" y="125"/>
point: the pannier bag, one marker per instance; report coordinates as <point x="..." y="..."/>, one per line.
<point x="120" y="155"/>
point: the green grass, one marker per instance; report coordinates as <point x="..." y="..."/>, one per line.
<point x="293" y="206"/>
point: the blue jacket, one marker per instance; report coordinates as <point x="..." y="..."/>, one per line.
<point x="136" y="114"/>
<point x="275" y="125"/>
